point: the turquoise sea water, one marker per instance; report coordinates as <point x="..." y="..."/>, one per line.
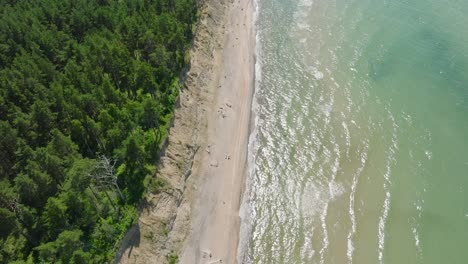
<point x="360" y="147"/>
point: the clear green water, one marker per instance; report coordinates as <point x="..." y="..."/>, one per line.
<point x="360" y="149"/>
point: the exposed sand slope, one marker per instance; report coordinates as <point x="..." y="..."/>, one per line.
<point x="164" y="220"/>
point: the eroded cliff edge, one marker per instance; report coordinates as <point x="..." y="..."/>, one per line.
<point x="164" y="216"/>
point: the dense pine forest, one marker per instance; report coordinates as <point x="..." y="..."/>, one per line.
<point x="87" y="90"/>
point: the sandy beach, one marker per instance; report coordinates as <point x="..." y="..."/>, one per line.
<point x="215" y="215"/>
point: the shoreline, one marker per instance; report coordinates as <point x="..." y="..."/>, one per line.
<point x="222" y="167"/>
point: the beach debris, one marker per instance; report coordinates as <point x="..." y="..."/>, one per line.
<point x="214" y="163"/>
<point x="221" y="111"/>
<point x="228" y="104"/>
<point x="206" y="253"/>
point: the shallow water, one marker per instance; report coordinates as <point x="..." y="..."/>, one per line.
<point x="360" y="147"/>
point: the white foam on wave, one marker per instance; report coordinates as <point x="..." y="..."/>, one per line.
<point x="315" y="201"/>
<point x="303" y="11"/>
<point x="325" y="240"/>
<point x="352" y="214"/>
<point x="347" y="137"/>
<point x="316" y="197"/>
<point x="335" y="190"/>
<point x="428" y="154"/>
<point x="349" y="101"/>
<point x="415" y="229"/>
<point x="418" y="170"/>
<point x="387" y="185"/>
<point x="318" y="75"/>
<point x="306" y="3"/>
<point x="303" y="26"/>
<point x="307" y="251"/>
<point x="326" y="108"/>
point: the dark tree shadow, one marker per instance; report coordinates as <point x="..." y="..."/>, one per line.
<point x="131" y="239"/>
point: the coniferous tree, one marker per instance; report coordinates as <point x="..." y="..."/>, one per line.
<point x="86" y="88"/>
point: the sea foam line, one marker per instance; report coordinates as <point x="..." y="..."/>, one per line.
<point x="387" y="184"/>
<point x="245" y="208"/>
<point x="325" y="240"/>
<point x="347" y="136"/>
<point x="352" y="214"/>
<point x="416" y="228"/>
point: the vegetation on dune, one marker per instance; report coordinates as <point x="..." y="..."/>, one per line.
<point x="87" y="90"/>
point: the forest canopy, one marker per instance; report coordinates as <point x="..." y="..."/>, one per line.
<point x="87" y="90"/>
